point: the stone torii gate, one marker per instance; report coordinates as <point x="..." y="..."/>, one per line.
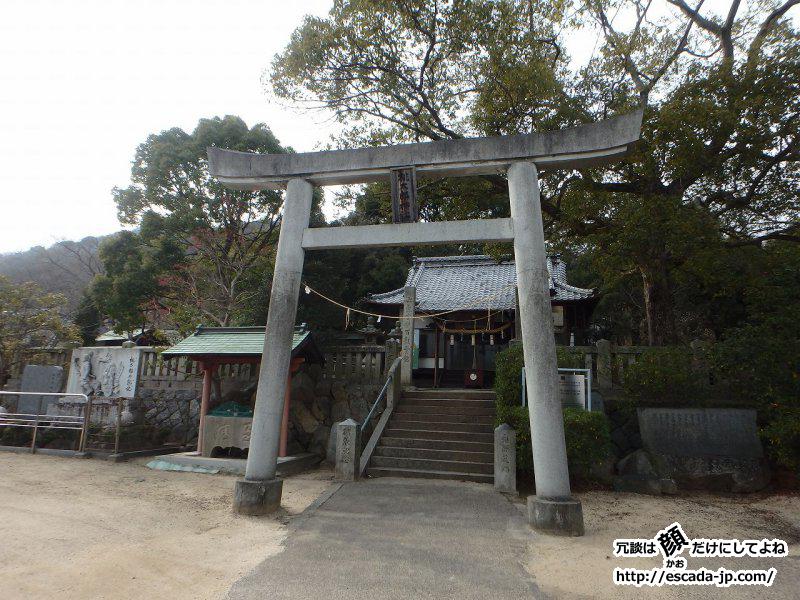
<point x="552" y="509"/>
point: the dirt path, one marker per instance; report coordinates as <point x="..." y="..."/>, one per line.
<point x="74" y="528"/>
<point x="583" y="567"/>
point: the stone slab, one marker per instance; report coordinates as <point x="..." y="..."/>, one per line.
<point x="104" y="372"/>
<point x="287" y="465"/>
<point x="39" y="378"/>
<point x="701" y="432"/>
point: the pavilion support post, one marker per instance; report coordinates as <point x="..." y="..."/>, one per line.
<point x="552" y="510"/>
<point x="287" y="399"/>
<point x="205" y="399"/>
<point x="287" y="403"/>
<point x="260" y="491"/>
<point x="407" y="329"/>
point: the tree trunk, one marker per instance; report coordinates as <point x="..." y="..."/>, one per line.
<point x="658" y="304"/>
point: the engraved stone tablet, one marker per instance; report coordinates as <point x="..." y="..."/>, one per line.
<point x="39" y="378"/>
<point x="701" y="432"/>
<point x="104" y="372"/>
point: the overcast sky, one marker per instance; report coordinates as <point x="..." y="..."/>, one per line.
<point x="83" y="82"/>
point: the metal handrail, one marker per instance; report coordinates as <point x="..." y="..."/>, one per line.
<point x="378" y="431"/>
<point x="37" y="420"/>
<point x="381" y="395"/>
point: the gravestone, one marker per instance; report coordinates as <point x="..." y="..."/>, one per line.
<point x="104" y="372"/>
<point x="705" y="449"/>
<point x="39" y="378"/>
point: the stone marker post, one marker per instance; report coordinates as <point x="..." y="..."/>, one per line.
<point x="505" y="459"/>
<point x="407" y="328"/>
<point x="348" y="451"/>
<point x="260" y="491"/>
<point x="552" y="510"/>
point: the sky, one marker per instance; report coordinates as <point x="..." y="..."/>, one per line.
<point x="82" y="83"/>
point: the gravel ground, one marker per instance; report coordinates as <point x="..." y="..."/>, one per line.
<point x="80" y="528"/>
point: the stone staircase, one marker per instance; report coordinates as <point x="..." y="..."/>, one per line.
<point x="438" y="434"/>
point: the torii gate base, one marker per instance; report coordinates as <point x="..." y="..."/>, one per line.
<point x="552" y="510"/>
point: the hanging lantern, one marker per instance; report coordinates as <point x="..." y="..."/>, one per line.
<point x="491" y="340"/>
<point x="452" y="340"/>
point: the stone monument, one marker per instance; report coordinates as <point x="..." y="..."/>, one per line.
<point x="39" y="378"/>
<point x="104" y="372"/>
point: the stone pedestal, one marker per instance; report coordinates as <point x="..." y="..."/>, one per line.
<point x="556" y="516"/>
<point x="257" y="497"/>
<point x="505" y="459"/>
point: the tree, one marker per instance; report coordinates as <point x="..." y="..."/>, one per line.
<point x="87" y="319"/>
<point x="226" y="238"/>
<point x="29" y="318"/>
<point x="718" y="161"/>
<point x="131" y="290"/>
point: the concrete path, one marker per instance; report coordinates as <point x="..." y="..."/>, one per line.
<point x="400" y="538"/>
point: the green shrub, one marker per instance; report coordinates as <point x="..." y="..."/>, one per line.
<point x="587" y="434"/>
<point x="588" y="437"/>
<point x="665" y="376"/>
<point x="782" y="438"/>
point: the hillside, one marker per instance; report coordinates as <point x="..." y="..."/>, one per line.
<point x="65" y="267"/>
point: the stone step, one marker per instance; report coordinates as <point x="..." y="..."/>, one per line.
<point x="405" y="422"/>
<point x="444" y="410"/>
<point x="412" y="442"/>
<point x="443" y="418"/>
<point x="451" y="402"/>
<point x="427" y="434"/>
<point x="428" y="474"/>
<point x="432" y="465"/>
<point x="458" y="394"/>
<point x="434" y="454"/>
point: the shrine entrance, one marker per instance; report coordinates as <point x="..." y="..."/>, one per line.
<point x="520" y="157"/>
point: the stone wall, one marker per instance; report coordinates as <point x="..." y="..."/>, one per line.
<point x="318" y="404"/>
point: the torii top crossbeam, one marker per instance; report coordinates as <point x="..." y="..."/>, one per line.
<point x="576" y="147"/>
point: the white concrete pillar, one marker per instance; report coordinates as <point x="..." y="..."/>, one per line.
<point x="407" y="329"/>
<point x="268" y="412"/>
<point x="539" y="348"/>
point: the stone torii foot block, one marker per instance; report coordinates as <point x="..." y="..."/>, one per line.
<point x="556" y="516"/>
<point x="257" y="497"/>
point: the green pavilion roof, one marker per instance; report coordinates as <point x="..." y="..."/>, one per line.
<point x="235" y="341"/>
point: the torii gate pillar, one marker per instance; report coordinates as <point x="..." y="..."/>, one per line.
<point x="260" y="491"/>
<point x="552" y="509"/>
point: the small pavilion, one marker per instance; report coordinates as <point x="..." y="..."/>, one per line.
<point x="212" y="347"/>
